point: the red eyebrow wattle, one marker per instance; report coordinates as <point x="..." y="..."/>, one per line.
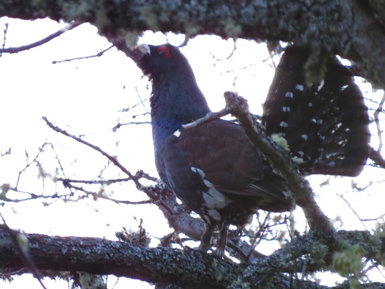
<point x="165" y="50"/>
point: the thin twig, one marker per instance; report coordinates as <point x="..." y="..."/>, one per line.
<point x="140" y="99"/>
<point x="100" y="53"/>
<point x="34" y="160"/>
<point x="377" y="121"/>
<point x="93" y="182"/>
<point x="259" y="234"/>
<point x="139" y="174"/>
<point x="4" y="38"/>
<point x="353" y="210"/>
<point x="42" y="41"/>
<point x="119" y="125"/>
<point x="101" y="196"/>
<point x="7" y="152"/>
<point x="96" y="148"/>
<point x="208" y="117"/>
<point x="374" y="219"/>
<point x="32" y="196"/>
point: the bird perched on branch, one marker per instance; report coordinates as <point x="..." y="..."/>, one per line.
<point x="214" y="168"/>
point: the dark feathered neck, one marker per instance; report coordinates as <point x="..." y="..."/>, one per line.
<point x="176" y="100"/>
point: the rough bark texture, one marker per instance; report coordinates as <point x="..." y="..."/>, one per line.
<point x="99" y="256"/>
<point x="187" y="268"/>
<point x="354" y="29"/>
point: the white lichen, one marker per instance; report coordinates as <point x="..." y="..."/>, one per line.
<point x="280" y="141"/>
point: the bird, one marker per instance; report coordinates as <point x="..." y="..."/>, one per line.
<point x="215" y="170"/>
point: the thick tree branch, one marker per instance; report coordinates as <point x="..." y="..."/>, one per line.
<point x="100" y="256"/>
<point x="353" y="29"/>
<point x="187" y="268"/>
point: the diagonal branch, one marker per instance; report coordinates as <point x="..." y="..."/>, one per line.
<point x="281" y="163"/>
<point x="377" y="157"/>
<point x="41" y="41"/>
<point x="96" y="148"/>
<point x="177" y="217"/>
<point x="376" y="114"/>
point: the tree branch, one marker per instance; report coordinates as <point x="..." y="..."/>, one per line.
<point x="281" y="163"/>
<point x="352" y="29"/>
<point x="100" y="256"/>
<point x="187" y="268"/>
<point x="41" y="41"/>
<point x="96" y="148"/>
<point x="377" y="158"/>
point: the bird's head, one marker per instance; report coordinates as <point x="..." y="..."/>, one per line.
<point x="162" y="60"/>
<point x="176" y="98"/>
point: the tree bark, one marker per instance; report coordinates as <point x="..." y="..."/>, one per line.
<point x="187" y="269"/>
<point x="353" y="29"/>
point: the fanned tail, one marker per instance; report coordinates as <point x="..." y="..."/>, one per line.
<point x="325" y="123"/>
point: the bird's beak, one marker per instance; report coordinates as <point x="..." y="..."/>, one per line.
<point x="144" y="49"/>
<point x="138" y="53"/>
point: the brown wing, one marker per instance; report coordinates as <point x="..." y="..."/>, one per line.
<point x="232" y="164"/>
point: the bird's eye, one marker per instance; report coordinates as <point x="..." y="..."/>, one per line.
<point x="164" y="50"/>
